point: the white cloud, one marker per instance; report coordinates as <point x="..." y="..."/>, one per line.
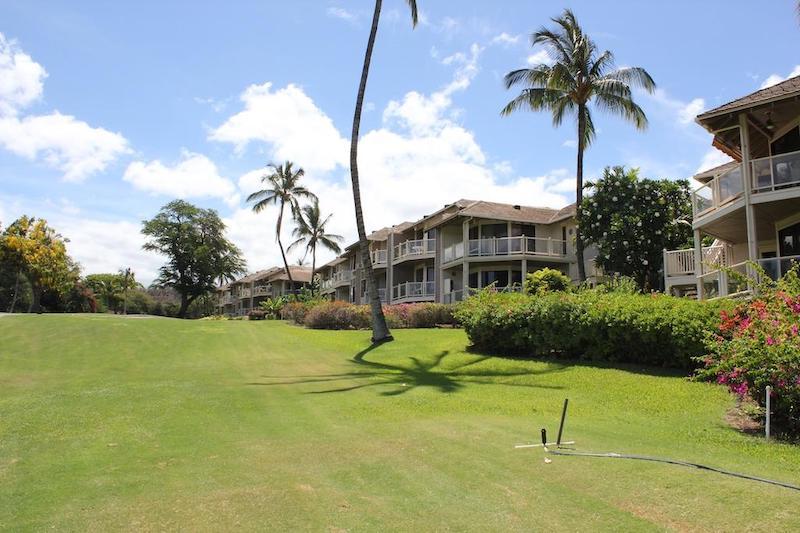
<point x="64" y="142"/>
<point x="570" y="143"/>
<point x="683" y="112"/>
<point x="712" y="158"/>
<point x="505" y="39"/>
<point x="291" y="125"/>
<point x="194" y="176"/>
<point x="341" y="13"/>
<point x="774" y="79"/>
<point x="21" y="78"/>
<point x="540" y="57"/>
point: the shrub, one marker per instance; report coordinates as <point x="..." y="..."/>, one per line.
<point x="272" y="307"/>
<point x="256" y="314"/>
<point x="758" y="344"/>
<point x="429" y="315"/>
<point x="546" y="280"/>
<point x="337" y="315"/>
<point x="644" y="329"/>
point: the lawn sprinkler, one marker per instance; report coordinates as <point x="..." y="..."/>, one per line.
<point x="557" y="448"/>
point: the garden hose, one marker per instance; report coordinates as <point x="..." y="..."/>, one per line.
<point x="673" y="462"/>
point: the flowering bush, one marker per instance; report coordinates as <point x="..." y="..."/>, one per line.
<point x="758" y="344"/>
<point x="634" y="328"/>
<point x="320" y="314"/>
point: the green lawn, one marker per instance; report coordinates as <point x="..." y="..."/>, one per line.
<point x="154" y="424"/>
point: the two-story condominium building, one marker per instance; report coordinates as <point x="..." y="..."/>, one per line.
<point x="750" y="206"/>
<point x="239" y="297"/>
<point x="466" y="245"/>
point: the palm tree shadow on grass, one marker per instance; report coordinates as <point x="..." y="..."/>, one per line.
<point x="423" y="372"/>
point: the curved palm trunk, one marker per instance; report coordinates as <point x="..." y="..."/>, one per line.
<point x="280" y="245"/>
<point x="380" y="331"/>
<point x="313" y="266"/>
<point x="579" y="193"/>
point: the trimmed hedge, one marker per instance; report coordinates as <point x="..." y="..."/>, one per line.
<point x="320" y="314"/>
<point x="633" y="328"/>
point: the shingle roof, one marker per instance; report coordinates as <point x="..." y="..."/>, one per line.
<point x="777" y="91"/>
<point x="299" y="273"/>
<point x="706" y="175"/>
<point x="512" y="212"/>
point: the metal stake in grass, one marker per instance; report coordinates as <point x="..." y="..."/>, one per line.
<point x="558" y="442"/>
<point x="561" y="425"/>
<point x="767" y="408"/>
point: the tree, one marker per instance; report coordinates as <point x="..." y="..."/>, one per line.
<point x="380" y="330"/>
<point x="127" y="282"/>
<point x="633" y="220"/>
<point x="311" y="231"/>
<point x="193" y="240"/>
<point x="282" y="189"/>
<point x="577" y="77"/>
<point x="40" y="254"/>
<point x="108" y="287"/>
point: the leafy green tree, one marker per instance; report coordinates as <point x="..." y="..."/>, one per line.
<point x="380" y="330"/>
<point x="282" y="189"/>
<point x="311" y="232"/>
<point x="578" y="77"/>
<point x="40" y="254"/>
<point x="193" y="241"/>
<point x="632" y="221"/>
<point x="546" y="280"/>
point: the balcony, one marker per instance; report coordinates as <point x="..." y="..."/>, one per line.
<point x="416" y="249"/>
<point x="777" y="267"/>
<point x="413" y="291"/>
<point x="505" y="246"/>
<point x="262" y="290"/>
<point x="453" y="296"/>
<point x="681" y="262"/>
<point x="776" y="173"/>
<point x="379" y="257"/>
<point x="245" y="293"/>
<point x="381" y="296"/>
<point x="729" y="282"/>
<point x="723" y="189"/>
<point x="453" y="252"/>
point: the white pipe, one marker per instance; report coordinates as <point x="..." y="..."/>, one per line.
<point x="766" y="424"/>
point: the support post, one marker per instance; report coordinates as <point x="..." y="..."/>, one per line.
<point x="747" y="178"/>
<point x="698" y="263"/>
<point x="465" y="263"/>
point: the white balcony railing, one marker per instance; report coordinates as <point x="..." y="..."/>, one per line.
<point x="415" y="248"/>
<point x="721" y="190"/>
<point x="378" y="257"/>
<point x="776" y="172"/>
<point x="381" y="296"/>
<point x="245" y="293"/>
<point x="262" y="290"/>
<point x="681" y="262"/>
<point x="413" y="289"/>
<point x="453" y="296"/>
<point x="777" y="267"/>
<point x="517" y="246"/>
<point x="453" y="252"/>
<point x="336" y="279"/>
<point x="729" y="282"/>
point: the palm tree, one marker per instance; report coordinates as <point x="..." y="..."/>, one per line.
<point x="311" y="232"/>
<point x="127" y="281"/>
<point x="282" y="189"/>
<point x="578" y="76"/>
<point x="380" y="331"/>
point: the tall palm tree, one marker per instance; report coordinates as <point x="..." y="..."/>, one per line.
<point x="380" y="331"/>
<point x="578" y="76"/>
<point x="127" y="281"/>
<point x="282" y="189"/>
<point x="311" y="232"/>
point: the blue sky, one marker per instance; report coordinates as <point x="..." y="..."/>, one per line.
<point x="108" y="110"/>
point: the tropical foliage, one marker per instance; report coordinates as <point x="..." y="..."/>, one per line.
<point x="546" y="280"/>
<point x="632" y="221"/>
<point x="35" y="251"/>
<point x="311" y="231"/>
<point x="580" y="75"/>
<point x="323" y="314"/>
<point x="198" y="254"/>
<point x="756" y="345"/>
<point x="281" y="188"/>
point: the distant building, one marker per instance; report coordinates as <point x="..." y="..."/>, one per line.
<point x="239" y="297"/>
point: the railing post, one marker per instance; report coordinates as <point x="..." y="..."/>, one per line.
<point x="549" y="246"/>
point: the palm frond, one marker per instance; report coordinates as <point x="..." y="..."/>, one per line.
<point x="604" y="62"/>
<point x="412" y="4"/>
<point x="534" y="99"/>
<point x="635" y="76"/>
<point x="624" y="107"/>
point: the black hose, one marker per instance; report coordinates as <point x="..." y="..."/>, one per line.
<point x="675" y="462"/>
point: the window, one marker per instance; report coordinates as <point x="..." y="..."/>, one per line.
<point x="517" y="230"/>
<point x="789" y="240"/>
<point x="494" y="230"/>
<point x="789" y="142"/>
<point x="473" y="232"/>
<point x="498" y="277"/>
<point x="516" y="277"/>
<point x="564" y="239"/>
<point x="473" y="280"/>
